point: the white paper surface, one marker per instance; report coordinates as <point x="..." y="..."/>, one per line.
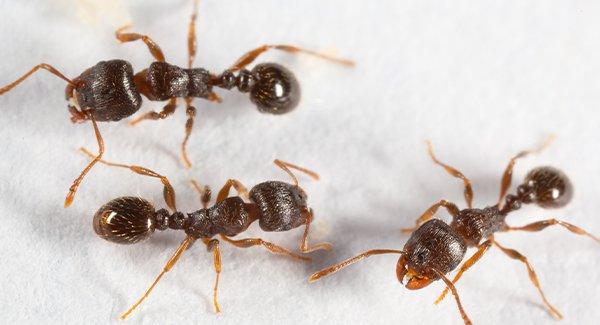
<point x="483" y="80"/>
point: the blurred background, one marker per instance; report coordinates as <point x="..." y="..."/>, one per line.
<point x="482" y="80"/>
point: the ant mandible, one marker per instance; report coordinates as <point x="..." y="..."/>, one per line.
<point x="436" y="248"/>
<point x="110" y="91"/>
<point x="278" y="206"/>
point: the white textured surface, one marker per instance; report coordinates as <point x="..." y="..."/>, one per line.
<point x="482" y="79"/>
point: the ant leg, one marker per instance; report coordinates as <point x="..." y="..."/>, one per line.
<point x="190" y="111"/>
<point x="249" y="242"/>
<point x="168" y="191"/>
<point x="541" y="225"/>
<point x="205" y="193"/>
<point x="507" y="176"/>
<point x="77" y="181"/>
<point x="239" y="187"/>
<point x="481" y="249"/>
<point x="192" y="41"/>
<point x="250" y="56"/>
<point x="182" y="248"/>
<point x="44" y="66"/>
<point x="468" y="192"/>
<point x="304" y="243"/>
<point x="166" y="112"/>
<point x="286" y="168"/>
<point x="450" y="285"/>
<point x="532" y="276"/>
<point x="334" y="268"/>
<point x="155" y="50"/>
<point x="429" y="213"/>
<point x="213" y="246"/>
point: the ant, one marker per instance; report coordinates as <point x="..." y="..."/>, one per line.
<point x="278" y="206"/>
<point x="110" y="91"/>
<point x="435" y="248"/>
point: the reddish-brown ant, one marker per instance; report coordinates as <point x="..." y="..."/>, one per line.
<point x="278" y="206"/>
<point x="436" y="248"/>
<point x="110" y="91"/>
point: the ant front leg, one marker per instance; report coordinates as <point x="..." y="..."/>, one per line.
<point x="213" y="246"/>
<point x="468" y="192"/>
<point x="239" y="187"/>
<point x="154" y="49"/>
<point x="304" y="247"/>
<point x="429" y="213"/>
<point x="205" y="193"/>
<point x="97" y="158"/>
<point x="507" y="176"/>
<point x="168" y="191"/>
<point x="166" y="112"/>
<point x="452" y="288"/>
<point x="249" y="242"/>
<point x="250" y="56"/>
<point x="532" y="276"/>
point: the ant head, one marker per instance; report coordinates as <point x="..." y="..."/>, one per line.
<point x="125" y="220"/>
<point x="548" y="187"/>
<point x="433" y="246"/>
<point x="274" y="89"/>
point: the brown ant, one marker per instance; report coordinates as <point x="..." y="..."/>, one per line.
<point x="278" y="206"/>
<point x="436" y="248"/>
<point x="110" y="91"/>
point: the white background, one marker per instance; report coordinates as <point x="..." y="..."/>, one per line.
<point x="481" y="79"/>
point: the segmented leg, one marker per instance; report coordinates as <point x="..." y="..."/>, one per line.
<point x="532" y="276"/>
<point x="468" y="192"/>
<point x="166" y="112"/>
<point x="250" y="56"/>
<point x="44" y="66"/>
<point x="507" y="176"/>
<point x="168" y="191"/>
<point x="213" y="246"/>
<point x="125" y="37"/>
<point x="286" y="167"/>
<point x="239" y="187"/>
<point x="249" y="242"/>
<point x="204" y="191"/>
<point x="481" y="250"/>
<point x="78" y="180"/>
<point x="172" y="261"/>
<point x="429" y="213"/>
<point x="541" y="225"/>
<point x="334" y="268"/>
<point x="449" y="284"/>
<point x="304" y="247"/>
<point x="191" y="37"/>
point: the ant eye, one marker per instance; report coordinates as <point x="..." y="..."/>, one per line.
<point x="276" y="90"/>
<point x="125" y="220"/>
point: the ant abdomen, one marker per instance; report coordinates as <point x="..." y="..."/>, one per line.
<point x="281" y="206"/>
<point x="107" y="91"/>
<point x="547" y="186"/>
<point x="125" y="220"/>
<point x="275" y="89"/>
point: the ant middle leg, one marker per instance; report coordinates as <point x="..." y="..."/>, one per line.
<point x="532" y="276"/>
<point x="468" y="192"/>
<point x="97" y="158"/>
<point x="187" y="242"/>
<point x="154" y="49"/>
<point x="239" y="187"/>
<point x="250" y="56"/>
<point x="286" y="168"/>
<point x="304" y="247"/>
<point x="213" y="246"/>
<point x="152" y="115"/>
<point x="168" y="191"/>
<point x="507" y="175"/>
<point x="249" y="242"/>
<point x="481" y="250"/>
<point x="541" y="225"/>
<point x="44" y="66"/>
<point x="204" y="191"/>
<point x="429" y="213"/>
